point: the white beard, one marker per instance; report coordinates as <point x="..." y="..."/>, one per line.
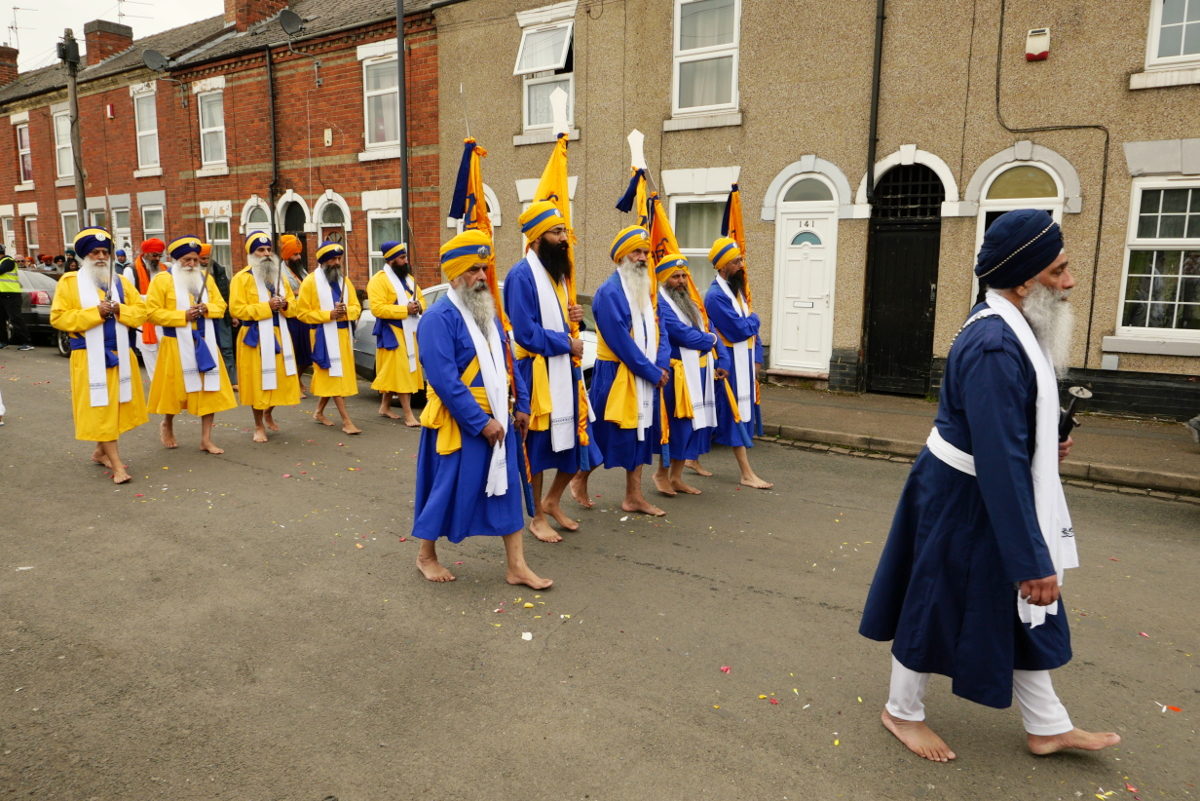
<point x="192" y="278"/>
<point x="683" y="299"/>
<point x="265" y="269"/>
<point x="1053" y="322"/>
<point x="101" y="272"/>
<point x="481" y="305"/>
<point x="334" y="276"/>
<point x="637" y="278"/>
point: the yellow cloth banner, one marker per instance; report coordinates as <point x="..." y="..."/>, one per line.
<point x="437" y="416"/>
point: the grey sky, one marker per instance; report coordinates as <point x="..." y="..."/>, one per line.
<point x="42" y="26"/>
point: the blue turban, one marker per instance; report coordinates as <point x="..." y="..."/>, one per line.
<point x="257" y="240"/>
<point x="183" y="246"/>
<point x="328" y="250"/>
<point x="1018" y="246"/>
<point x="391" y="250"/>
<point x="89" y="239"/>
<point x="121" y="252"/>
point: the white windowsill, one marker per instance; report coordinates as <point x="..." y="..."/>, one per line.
<point x="67" y="181"/>
<point x="542" y="137"/>
<point x="1170" y="76"/>
<point x="380" y="153"/>
<point x="150" y="172"/>
<point x="211" y="170"/>
<point x="719" y="120"/>
<point x="1156" y="347"/>
<point x="24" y="187"/>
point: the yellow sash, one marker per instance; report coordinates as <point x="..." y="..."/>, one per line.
<point x="621" y="407"/>
<point x="436" y="415"/>
<point x="683" y="396"/>
<point x="539" y="393"/>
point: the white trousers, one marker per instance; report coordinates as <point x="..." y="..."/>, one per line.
<point x="149" y="352"/>
<point x="1041" y="711"/>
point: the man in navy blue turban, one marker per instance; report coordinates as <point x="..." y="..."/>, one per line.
<point x="968" y="582"/>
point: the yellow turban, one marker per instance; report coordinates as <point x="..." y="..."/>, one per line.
<point x="724" y="250"/>
<point x="464" y="251"/>
<point x="669" y="265"/>
<point x="629" y="239"/>
<point x="289" y="245"/>
<point x="540" y="218"/>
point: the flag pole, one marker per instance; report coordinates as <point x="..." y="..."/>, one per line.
<point x="402" y="102"/>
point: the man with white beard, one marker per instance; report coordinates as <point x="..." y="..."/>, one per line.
<point x="261" y="298"/>
<point x="397" y="303"/>
<point x="190" y="375"/>
<point x="968" y="582"/>
<point x="329" y="304"/>
<point x="632" y="356"/>
<point x="468" y="475"/>
<point x="100" y="310"/>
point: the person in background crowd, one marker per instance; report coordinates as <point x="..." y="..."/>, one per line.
<point x="328" y="302"/>
<point x="140" y="274"/>
<point x="292" y="252"/>
<point x="10" y="304"/>
<point x="397" y="303"/>
<point x="122" y="261"/>
<point x="220" y="274"/>
<point x="60" y="263"/>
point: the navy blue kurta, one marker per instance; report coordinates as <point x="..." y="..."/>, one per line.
<point x="944" y="589"/>
<point x="525" y="313"/>
<point x="686" y="441"/>
<point x="726" y="321"/>
<point x="451" y="489"/>
<point x="620" y="446"/>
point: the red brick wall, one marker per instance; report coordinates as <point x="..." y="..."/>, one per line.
<point x="244" y="13"/>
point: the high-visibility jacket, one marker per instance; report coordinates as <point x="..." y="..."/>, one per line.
<point x="9" y="282"/>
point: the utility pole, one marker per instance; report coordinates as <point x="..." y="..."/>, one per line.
<point x="68" y="53"/>
<point x="403" y="104"/>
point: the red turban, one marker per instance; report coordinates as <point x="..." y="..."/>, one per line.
<point x="154" y="245"/>
<point x="289" y="246"/>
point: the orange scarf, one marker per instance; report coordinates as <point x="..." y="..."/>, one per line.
<point x="143" y="281"/>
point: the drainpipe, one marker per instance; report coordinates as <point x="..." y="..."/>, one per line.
<point x="873" y="136"/>
<point x="274" y="150"/>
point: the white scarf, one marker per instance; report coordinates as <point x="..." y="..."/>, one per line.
<point x="1049" y="500"/>
<point x="266" y="341"/>
<point x="562" y="381"/>
<point x="94" y="339"/>
<point x="333" y="346"/>
<point x="645" y="337"/>
<point x="492" y="370"/>
<point x="741" y="357"/>
<point x="409" y="324"/>
<point x="702" y="392"/>
<point x="187" y="348"/>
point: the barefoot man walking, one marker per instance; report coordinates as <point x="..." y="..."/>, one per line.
<point x="397" y="303"/>
<point x="100" y="311"/>
<point x="328" y="303"/>
<point x="968" y="582"/>
<point x="468" y="480"/>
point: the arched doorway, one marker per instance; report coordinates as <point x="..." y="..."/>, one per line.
<point x="295" y="218"/>
<point x="902" y="268"/>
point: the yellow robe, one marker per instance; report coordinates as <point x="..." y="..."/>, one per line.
<point x="391" y="366"/>
<point x="100" y="423"/>
<point x="308" y="310"/>
<point x="244" y="305"/>
<point x="167" y="392"/>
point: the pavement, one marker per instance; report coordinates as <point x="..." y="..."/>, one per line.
<point x="1110" y="453"/>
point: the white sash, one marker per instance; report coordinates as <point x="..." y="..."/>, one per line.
<point x="562" y="380"/>
<point x="1049" y="499"/>
<point x="94" y="339"/>
<point x="645" y="337"/>
<point x="492" y="370"/>
<point x="187" y="347"/>
<point x="266" y="341"/>
<point x="702" y="393"/>
<point x="741" y="358"/>
<point x="333" y="345"/>
<point x="409" y="324"/>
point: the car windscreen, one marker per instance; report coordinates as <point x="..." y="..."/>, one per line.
<point x="34" y="281"/>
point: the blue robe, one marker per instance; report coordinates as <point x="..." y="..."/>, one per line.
<point x="944" y="588"/>
<point x="525" y="314"/>
<point x="725" y="320"/>
<point x="687" y="442"/>
<point x="620" y="446"/>
<point x="451" y="499"/>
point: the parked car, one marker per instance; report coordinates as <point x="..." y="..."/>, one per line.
<point x="364" y="340"/>
<point x="37" y="293"/>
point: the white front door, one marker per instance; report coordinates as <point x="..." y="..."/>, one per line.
<point x="806" y="257"/>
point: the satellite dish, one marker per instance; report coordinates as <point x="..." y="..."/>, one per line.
<point x="291" y="21"/>
<point x="155" y="60"/>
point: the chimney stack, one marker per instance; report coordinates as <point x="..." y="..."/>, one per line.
<point x="8" y="65"/>
<point x="105" y="39"/>
<point x="244" y="13"/>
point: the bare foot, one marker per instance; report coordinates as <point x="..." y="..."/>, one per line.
<point x="260" y="434"/>
<point x="322" y="419"/>
<point x="432" y="569"/>
<point x="1074" y="739"/>
<point x="644" y="507"/>
<point x="662" y="483"/>
<point x="411" y="421"/>
<point x="919" y="738"/>
<point x="208" y="447"/>
<point x="756" y="482"/>
<point x="555" y="511"/>
<point x="694" y="464"/>
<point x="99" y="457"/>
<point x="579" y="493"/>
<point x="121" y="476"/>
<point x="168" y="435"/>
<point x="389" y="414"/>
<point x="524" y="575"/>
<point x="350" y="428"/>
<point x="269" y="421"/>
<point x="682" y="486"/>
<point x="540" y="527"/>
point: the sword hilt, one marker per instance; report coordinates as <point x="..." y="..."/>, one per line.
<point x="1068" y="422"/>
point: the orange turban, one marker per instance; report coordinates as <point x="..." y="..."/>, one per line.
<point x="289" y="246"/>
<point x="205" y="249"/>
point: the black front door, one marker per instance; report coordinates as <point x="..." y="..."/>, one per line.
<point x="905" y="241"/>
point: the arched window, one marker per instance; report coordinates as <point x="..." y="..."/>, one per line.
<point x="806" y="238"/>
<point x="1024" y="181"/>
<point x="1017" y="185"/>
<point x="807" y="190"/>
<point x="256" y="216"/>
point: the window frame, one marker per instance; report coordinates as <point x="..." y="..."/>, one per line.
<point x="23" y="152"/>
<point x="1153" y="37"/>
<point x="373" y="252"/>
<point x="69" y="238"/>
<point x="59" y="147"/>
<point x="697" y="257"/>
<point x="32" y="246"/>
<point x="148" y="232"/>
<point x="681" y="56"/>
<point x="220" y="246"/>
<point x="391" y="144"/>
<point x="552" y="78"/>
<point x="204" y="161"/>
<point x="569" y="24"/>
<point x="139" y="134"/>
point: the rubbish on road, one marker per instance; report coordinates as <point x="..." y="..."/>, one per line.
<point x="528" y="606"/>
<point x="775" y="701"/>
<point x="725" y="668"/>
<point x="458" y="563"/>
<point x="1143" y="634"/>
<point x="623" y="519"/>
<point x="528" y="635"/>
<point x="30" y="567"/>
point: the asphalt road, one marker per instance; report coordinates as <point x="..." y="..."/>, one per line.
<point x="214" y="631"/>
